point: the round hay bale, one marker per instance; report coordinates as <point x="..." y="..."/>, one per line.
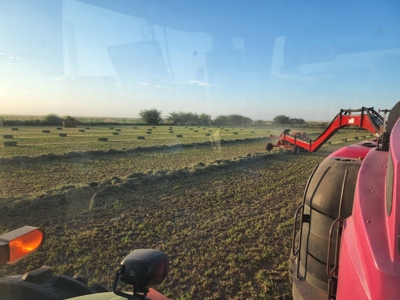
<point x="59" y="128"/>
<point x="45" y="131"/>
<point x="102" y="139"/>
<point x="179" y="135"/>
<point x="8" y="136"/>
<point x="140" y="137"/>
<point x="81" y="130"/>
<point x="117" y="129"/>
<point x="115" y="133"/>
<point x="10" y="144"/>
<point x="62" y="134"/>
<point x="14" y="128"/>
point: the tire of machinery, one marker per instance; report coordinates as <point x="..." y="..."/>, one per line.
<point x="296" y="149"/>
<point x="322" y="204"/>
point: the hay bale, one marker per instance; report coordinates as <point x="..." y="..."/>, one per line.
<point x="69" y="124"/>
<point x="344" y="140"/>
<point x="115" y="133"/>
<point x="149" y="129"/>
<point x="87" y="127"/>
<point x="59" y="128"/>
<point x="110" y="127"/>
<point x="226" y="129"/>
<point x="190" y="128"/>
<point x="170" y="131"/>
<point x="45" y="131"/>
<point x="195" y="130"/>
<point x="356" y="137"/>
<point x="179" y="135"/>
<point x="148" y="132"/>
<point x="81" y="130"/>
<point x="154" y="127"/>
<point x="10" y="144"/>
<point x="102" y="139"/>
<point x="14" y="128"/>
<point x="140" y="137"/>
<point x="134" y="127"/>
<point x="208" y="134"/>
<point x="117" y="129"/>
<point x="235" y="133"/>
<point x="62" y="134"/>
<point x="8" y="136"/>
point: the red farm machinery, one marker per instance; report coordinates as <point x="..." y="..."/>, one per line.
<point x="366" y="118"/>
<point x="346" y="233"/>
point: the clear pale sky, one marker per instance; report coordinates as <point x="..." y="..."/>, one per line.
<point x="260" y="59"/>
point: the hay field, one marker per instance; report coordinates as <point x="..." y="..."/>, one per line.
<point x="221" y="211"/>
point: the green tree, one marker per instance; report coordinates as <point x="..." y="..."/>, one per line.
<point x="204" y="119"/>
<point x="297" y="121"/>
<point x="282" y="119"/>
<point x="151" y="116"/>
<point x="174" y="118"/>
<point x="52" y="119"/>
<point x="259" y="122"/>
<point x="221" y="120"/>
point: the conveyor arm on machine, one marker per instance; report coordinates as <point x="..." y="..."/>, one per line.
<point x="366" y="118"/>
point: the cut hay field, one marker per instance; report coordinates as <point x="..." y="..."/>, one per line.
<point x="222" y="212"/>
<point x="33" y="141"/>
<point x="39" y="140"/>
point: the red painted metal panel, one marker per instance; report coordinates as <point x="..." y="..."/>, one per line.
<point x="369" y="266"/>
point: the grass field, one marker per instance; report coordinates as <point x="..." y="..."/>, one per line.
<point x="222" y="212"/>
<point x="34" y="141"/>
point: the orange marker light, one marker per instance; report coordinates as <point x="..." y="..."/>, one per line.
<point x="19" y="243"/>
<point x="25" y="244"/>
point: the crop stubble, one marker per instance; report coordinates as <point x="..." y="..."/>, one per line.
<point x="226" y="231"/>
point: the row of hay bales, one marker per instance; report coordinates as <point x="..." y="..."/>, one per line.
<point x="68" y="124"/>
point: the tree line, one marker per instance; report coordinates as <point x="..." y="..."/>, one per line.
<point x="153" y="116"/>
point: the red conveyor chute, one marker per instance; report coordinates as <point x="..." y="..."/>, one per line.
<point x="366" y="118"/>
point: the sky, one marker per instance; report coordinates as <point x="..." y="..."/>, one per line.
<point x="257" y="59"/>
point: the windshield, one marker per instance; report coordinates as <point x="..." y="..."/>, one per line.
<point x="143" y="124"/>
